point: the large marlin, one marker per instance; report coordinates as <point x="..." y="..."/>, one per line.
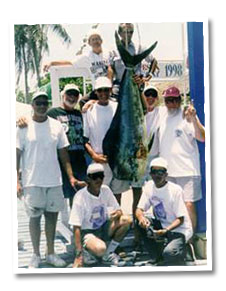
<point x="125" y="143"/>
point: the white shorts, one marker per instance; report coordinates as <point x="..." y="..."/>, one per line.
<point x="191" y="186"/>
<point x="116" y="186"/>
<point x="37" y="200"/>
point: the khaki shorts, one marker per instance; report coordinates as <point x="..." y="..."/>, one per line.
<point x="191" y="186"/>
<point x="37" y="200"/>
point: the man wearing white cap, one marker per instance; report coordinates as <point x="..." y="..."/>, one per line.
<point x="169" y="209"/>
<point x="38" y="145"/>
<point x="97" y="121"/>
<point x="72" y="122"/>
<point x="97" y="219"/>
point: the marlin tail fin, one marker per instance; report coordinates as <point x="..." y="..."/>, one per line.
<point x="128" y="59"/>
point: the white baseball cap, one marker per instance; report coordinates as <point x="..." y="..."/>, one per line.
<point x="150" y="87"/>
<point x="39" y="94"/>
<point x="159" y="162"/>
<point x="95" y="168"/>
<point x="70" y="87"/>
<point x="102" y="82"/>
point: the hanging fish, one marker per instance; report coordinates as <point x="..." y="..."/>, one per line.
<point x="126" y="143"/>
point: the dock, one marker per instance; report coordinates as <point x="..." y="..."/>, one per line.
<point x="64" y="246"/>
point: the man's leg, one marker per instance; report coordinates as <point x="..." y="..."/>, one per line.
<point x="136" y="197"/>
<point x="119" y="228"/>
<point x="192" y="213"/>
<point x="35" y="233"/>
<point x="174" y="252"/>
<point x="94" y="245"/>
<point x="50" y="230"/>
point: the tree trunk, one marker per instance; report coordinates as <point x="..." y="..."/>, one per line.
<point x="25" y="76"/>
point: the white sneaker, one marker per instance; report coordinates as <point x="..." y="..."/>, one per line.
<point x="56" y="261"/>
<point x="88" y="259"/>
<point x="112" y="259"/>
<point x="35" y="261"/>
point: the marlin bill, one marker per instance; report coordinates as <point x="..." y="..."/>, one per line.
<point x="126" y="143"/>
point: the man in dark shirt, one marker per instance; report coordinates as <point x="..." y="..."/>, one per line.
<point x="72" y="122"/>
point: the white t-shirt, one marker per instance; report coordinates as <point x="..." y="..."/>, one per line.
<point x="152" y="123"/>
<point x="39" y="142"/>
<point x="97" y="121"/>
<point x="97" y="64"/>
<point x="168" y="205"/>
<point x="91" y="212"/>
<point x="177" y="144"/>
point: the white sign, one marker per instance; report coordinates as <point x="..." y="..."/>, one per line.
<point x="168" y="70"/>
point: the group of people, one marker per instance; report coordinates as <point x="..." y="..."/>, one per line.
<point x="52" y="147"/>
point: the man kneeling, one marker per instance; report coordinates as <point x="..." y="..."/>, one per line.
<point x="97" y="219"/>
<point x="166" y="239"/>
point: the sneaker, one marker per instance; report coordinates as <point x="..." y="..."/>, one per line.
<point x="112" y="259"/>
<point x="55" y="260"/>
<point x="35" y="261"/>
<point x="88" y="259"/>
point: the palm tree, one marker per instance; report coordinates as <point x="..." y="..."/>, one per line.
<point x="22" y="54"/>
<point x="38" y="43"/>
<point x="31" y="42"/>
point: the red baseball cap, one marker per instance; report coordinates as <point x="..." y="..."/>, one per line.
<point x="171" y="92"/>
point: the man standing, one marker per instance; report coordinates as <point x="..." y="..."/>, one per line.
<point x="178" y="135"/>
<point x="72" y="122"/>
<point x="116" y="68"/>
<point x="97" y="121"/>
<point x="37" y="146"/>
<point x="169" y="210"/>
<point x="97" y="219"/>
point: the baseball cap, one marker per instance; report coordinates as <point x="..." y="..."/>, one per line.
<point x="159" y="162"/>
<point x="102" y="82"/>
<point x="95" y="168"/>
<point x="150" y="87"/>
<point x="39" y="94"/>
<point x="70" y="87"/>
<point x="171" y="92"/>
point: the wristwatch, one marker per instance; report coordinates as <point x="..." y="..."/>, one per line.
<point x="78" y="253"/>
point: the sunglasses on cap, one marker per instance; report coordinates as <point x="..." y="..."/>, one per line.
<point x="40" y="103"/>
<point x="104" y="90"/>
<point x="158" y="171"/>
<point x="97" y="175"/>
<point x="151" y="93"/>
<point x="172" y="100"/>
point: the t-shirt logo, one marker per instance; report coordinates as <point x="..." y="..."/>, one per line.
<point x="178" y="132"/>
<point x="159" y="211"/>
<point x="98" y="217"/>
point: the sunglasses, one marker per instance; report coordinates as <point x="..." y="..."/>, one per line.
<point x="97" y="175"/>
<point x="151" y="93"/>
<point x="158" y="172"/>
<point x="72" y="93"/>
<point x="40" y="103"/>
<point x="172" y="100"/>
<point x="104" y="90"/>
